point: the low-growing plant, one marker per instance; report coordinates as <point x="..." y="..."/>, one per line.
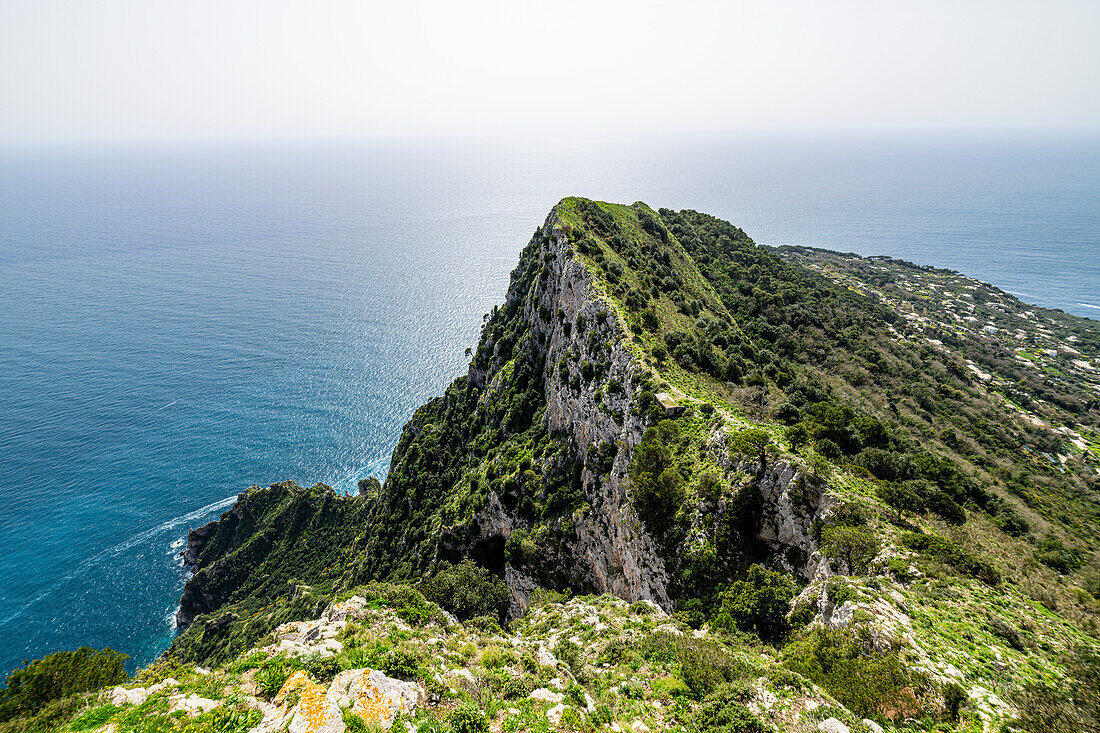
<point x="273" y="674"/>
<point x="723" y="711"/>
<point x="402" y="663"/>
<point x="468" y="719"/>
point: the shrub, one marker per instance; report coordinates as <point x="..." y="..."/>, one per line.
<point x="618" y="650"/>
<point x="59" y="675"/>
<point x="901" y="498"/>
<point x="1057" y="556"/>
<point x="273" y="674"/>
<point x="516" y="688"/>
<point x="937" y="548"/>
<point x="887" y="465"/>
<point x="838" y="591"/>
<point x="724" y="711"/>
<point x="760" y="602"/>
<point x="752" y="442"/>
<point x="871" y="685"/>
<point x="468" y="719"/>
<point x="486" y="624"/>
<point x="322" y="669"/>
<point x="466" y="590"/>
<point x="704" y="664"/>
<point x="569" y="654"/>
<point x="829" y="449"/>
<point x="496" y="656"/>
<point x="402" y="663"/>
<point x="950" y="510"/>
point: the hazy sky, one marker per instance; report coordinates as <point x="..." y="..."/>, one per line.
<point x="139" y="69"/>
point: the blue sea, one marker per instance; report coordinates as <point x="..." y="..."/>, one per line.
<point x="178" y="322"/>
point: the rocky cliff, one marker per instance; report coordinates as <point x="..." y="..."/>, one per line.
<point x="665" y="412"/>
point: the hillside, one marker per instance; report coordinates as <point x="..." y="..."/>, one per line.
<point x="826" y="490"/>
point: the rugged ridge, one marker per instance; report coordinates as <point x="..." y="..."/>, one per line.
<point x="767" y="442"/>
<point x="613" y="553"/>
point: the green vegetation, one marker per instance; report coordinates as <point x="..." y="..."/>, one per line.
<point x="33" y="688"/>
<point x="857" y="481"/>
<point x="466" y="590"/>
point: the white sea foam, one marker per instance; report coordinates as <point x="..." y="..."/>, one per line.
<point x="118" y="549"/>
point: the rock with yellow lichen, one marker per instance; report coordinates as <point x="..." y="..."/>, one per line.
<point x="308" y="707"/>
<point x="373" y="696"/>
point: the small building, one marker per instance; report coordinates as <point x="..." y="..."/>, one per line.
<point x="671" y="407"/>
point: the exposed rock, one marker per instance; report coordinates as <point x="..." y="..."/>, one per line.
<point x="373" y="696"/>
<point x="832" y="725"/>
<point x="547" y="695"/>
<point x="193" y="704"/>
<point x="126" y="696"/>
<point x="554" y="714"/>
<point x="313" y="712"/>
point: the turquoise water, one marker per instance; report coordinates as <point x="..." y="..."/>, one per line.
<point x="177" y="323"/>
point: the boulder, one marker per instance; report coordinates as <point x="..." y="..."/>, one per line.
<point x="832" y="725"/>
<point x="373" y="696"/>
<point x="554" y="714"/>
<point x="124" y="696"/>
<point x="312" y="712"/>
<point x="546" y="695"/>
<point x="193" y="704"/>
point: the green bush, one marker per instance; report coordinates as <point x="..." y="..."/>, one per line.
<point x="867" y="683"/>
<point x="59" y="675"/>
<point x="322" y="669"/>
<point x="704" y="664"/>
<point x="937" y="548"/>
<point x="466" y="590"/>
<point x="402" y="663"/>
<point x="838" y="591"/>
<point x="618" y="650"/>
<point x="273" y="674"/>
<point x="760" y="602"/>
<point x="724" y="711"/>
<point x="569" y="654"/>
<point x="468" y="719"/>
<point x="950" y="510"/>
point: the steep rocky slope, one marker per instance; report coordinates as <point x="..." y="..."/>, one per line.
<point x="781" y="453"/>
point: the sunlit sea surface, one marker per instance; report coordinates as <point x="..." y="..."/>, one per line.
<point x="180" y="322"/>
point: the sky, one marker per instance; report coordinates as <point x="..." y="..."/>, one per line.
<point x="78" y="70"/>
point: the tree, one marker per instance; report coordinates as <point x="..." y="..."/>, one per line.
<point x="760" y="602"/>
<point x="657" y="484"/>
<point x="902" y="498"/>
<point x="856" y="546"/>
<point x="466" y="590"/>
<point x="752" y="442"/>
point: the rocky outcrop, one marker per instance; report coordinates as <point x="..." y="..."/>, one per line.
<point x="612" y="552"/>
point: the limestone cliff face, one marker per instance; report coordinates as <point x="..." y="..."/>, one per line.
<point x="612" y="552"/>
<point x="537" y="438"/>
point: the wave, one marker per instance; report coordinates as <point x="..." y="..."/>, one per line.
<point x="1089" y="305"/>
<point x="111" y="552"/>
